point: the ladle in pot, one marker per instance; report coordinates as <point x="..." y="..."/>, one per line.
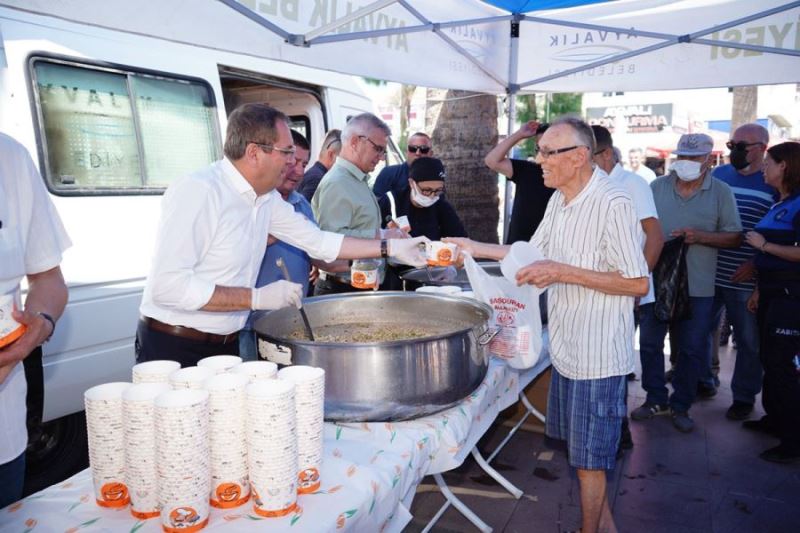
<point x="303" y="315"/>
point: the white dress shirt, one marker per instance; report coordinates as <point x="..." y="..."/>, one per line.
<point x="591" y="333"/>
<point x="213" y="231"/>
<point x="32" y="239"/>
<point x="643" y="203"/>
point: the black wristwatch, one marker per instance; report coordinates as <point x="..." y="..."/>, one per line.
<point x="52" y="323"/>
<point x="384" y="248"/>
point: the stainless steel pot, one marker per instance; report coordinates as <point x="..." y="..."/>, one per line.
<point x="393" y="380"/>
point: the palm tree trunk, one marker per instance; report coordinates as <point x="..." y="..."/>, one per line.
<point x="745" y="106"/>
<point x="463" y="128"/>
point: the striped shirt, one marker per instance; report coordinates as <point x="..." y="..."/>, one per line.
<point x="753" y="199"/>
<point x="591" y="333"/>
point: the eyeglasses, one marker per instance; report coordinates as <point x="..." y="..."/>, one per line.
<point x="268" y="148"/>
<point x="545" y="154"/>
<point x="380" y="150"/>
<point x="431" y="192"/>
<point x="419" y="149"/>
<point x="741" y="145"/>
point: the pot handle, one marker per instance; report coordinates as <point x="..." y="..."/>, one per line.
<point x="487" y="336"/>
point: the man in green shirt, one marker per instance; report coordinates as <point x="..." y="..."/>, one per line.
<point x="344" y="202"/>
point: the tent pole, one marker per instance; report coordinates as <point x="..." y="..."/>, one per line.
<point x="513" y="59"/>
<point x="358" y="13"/>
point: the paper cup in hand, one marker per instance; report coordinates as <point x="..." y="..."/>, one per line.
<point x="521" y="254"/>
<point x="403" y="223"/>
<point x="107" y="443"/>
<point x="10" y="329"/>
<point x="440" y="253"/>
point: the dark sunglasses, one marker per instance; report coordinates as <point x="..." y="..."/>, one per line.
<point x="741" y="145"/>
<point x="419" y="149"/>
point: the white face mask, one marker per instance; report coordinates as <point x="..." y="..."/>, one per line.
<point x="420" y="199"/>
<point x="687" y="170"/>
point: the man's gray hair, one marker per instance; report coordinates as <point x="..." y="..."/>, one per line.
<point x="363" y="124"/>
<point x="582" y="131"/>
<point x="251" y="123"/>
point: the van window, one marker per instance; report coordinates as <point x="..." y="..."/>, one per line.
<point x="115" y="131"/>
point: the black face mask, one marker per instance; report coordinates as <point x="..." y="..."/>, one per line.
<point x="739" y="158"/>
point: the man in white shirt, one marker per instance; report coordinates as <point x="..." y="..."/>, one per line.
<point x="213" y="235"/>
<point x="595" y="268"/>
<point x="636" y="161"/>
<point x="32" y="239"/>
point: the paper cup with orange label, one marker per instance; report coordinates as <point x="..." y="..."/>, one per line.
<point x="440" y="253"/>
<point x="364" y="274"/>
<point x="10" y="329"/>
<point x="403" y="223"/>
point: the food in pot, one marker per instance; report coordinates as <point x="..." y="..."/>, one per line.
<point x="370" y="332"/>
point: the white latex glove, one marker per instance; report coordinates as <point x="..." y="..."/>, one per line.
<point x="408" y="251"/>
<point x="277" y="295"/>
<point x="393" y="233"/>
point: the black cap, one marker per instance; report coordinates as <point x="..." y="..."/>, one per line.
<point x="427" y="169"/>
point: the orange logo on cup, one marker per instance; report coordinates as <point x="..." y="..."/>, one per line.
<point x="445" y="255"/>
<point x="114" y="495"/>
<point x="359" y="278"/>
<point x="183" y="516"/>
<point x="308" y="481"/>
<point x="229" y="495"/>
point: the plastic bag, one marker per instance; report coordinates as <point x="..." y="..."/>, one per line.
<point x="516" y="313"/>
<point x="671" y="283"/>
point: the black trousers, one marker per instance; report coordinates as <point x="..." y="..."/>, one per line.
<point x="154" y="345"/>
<point x="331" y="286"/>
<point x="779" y="336"/>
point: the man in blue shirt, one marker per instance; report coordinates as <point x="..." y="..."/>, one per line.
<point x="734" y="279"/>
<point x="331" y="146"/>
<point x="395" y="177"/>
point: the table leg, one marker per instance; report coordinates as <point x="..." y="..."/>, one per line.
<point x="458" y="504"/>
<point x="494" y="474"/>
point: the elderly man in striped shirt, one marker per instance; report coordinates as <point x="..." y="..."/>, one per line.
<point x="595" y="268"/>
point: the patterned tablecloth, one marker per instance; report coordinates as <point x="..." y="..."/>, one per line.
<point x="369" y="474"/>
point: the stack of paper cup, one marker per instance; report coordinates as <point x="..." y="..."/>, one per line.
<point x="226" y="422"/>
<point x="106" y="443"/>
<point x="256" y="370"/>
<point x="182" y="458"/>
<point x="154" y="371"/>
<point x="272" y="447"/>
<point x="309" y="405"/>
<point x="139" y="422"/>
<point x="220" y="363"/>
<point x="191" y="377"/>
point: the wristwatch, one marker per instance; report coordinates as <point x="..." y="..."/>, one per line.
<point x="52" y="323"/>
<point x="384" y="248"/>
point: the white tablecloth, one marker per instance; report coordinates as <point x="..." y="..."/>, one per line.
<point x="369" y="474"/>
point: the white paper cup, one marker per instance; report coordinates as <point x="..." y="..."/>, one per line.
<point x="107" y="443"/>
<point x="403" y="223"/>
<point x="521" y="254"/>
<point x="256" y="370"/>
<point x="154" y="371"/>
<point x="440" y="253"/>
<point x="10" y="329"/>
<point x="191" y="377"/>
<point x="220" y="363"/>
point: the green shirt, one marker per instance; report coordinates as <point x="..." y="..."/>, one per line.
<point x="712" y="207"/>
<point x="344" y="202"/>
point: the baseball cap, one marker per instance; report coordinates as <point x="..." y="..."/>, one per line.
<point x="427" y="169"/>
<point x="692" y="144"/>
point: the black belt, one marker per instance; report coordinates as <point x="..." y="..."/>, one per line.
<point x="189" y="333"/>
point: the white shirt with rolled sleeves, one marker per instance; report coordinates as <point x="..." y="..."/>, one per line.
<point x="32" y="240"/>
<point x="213" y="231"/>
<point x="591" y="333"/>
<point x="643" y="203"/>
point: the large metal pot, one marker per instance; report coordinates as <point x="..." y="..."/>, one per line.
<point x="394" y="380"/>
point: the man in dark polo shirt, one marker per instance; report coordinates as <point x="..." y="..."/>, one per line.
<point x="531" y="196"/>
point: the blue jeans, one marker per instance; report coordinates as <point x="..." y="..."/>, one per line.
<point x="693" y="354"/>
<point x="248" y="347"/>
<point x="12" y="479"/>
<point x="747" y="374"/>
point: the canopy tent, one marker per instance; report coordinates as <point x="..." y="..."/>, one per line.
<point x="493" y="47"/>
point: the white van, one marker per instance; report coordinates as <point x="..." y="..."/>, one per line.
<point x="112" y="118"/>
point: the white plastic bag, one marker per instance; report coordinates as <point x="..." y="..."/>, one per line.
<point x="516" y="313"/>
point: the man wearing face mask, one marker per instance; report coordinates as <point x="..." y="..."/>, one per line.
<point x="428" y="213"/>
<point x="693" y="205"/>
<point x="735" y="271"/>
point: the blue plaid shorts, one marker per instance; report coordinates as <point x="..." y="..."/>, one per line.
<point x="587" y="413"/>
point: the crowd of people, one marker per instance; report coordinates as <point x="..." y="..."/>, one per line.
<point x="602" y="228"/>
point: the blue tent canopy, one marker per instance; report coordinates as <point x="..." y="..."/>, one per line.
<point x="526" y="6"/>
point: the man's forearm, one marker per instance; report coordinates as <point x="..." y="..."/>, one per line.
<point x="353" y="248"/>
<point x="47" y="293"/>
<point x="229" y="299"/>
<point x="654" y="241"/>
<point x="606" y="282"/>
<point x="721" y="239"/>
<point x="485" y="250"/>
<point x="496" y="158"/>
